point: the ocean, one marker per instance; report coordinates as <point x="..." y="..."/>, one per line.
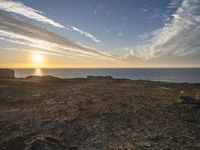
<point x="178" y="75"/>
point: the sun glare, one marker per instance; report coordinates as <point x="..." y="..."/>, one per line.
<point x="38" y="59"/>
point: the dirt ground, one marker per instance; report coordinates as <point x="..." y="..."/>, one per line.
<point x="97" y="114"/>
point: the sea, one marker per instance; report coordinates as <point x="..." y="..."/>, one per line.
<point x="177" y="75"/>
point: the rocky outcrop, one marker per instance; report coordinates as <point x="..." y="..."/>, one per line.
<point x="100" y="77"/>
<point x="7" y="73"/>
<point x="43" y="78"/>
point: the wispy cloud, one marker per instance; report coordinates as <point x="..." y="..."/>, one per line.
<point x="89" y="35"/>
<point x="30" y="51"/>
<point x="25" y="33"/>
<point x="20" y="9"/>
<point x="120" y="33"/>
<point x="174" y="3"/>
<point x="143" y="9"/>
<point x="179" y="37"/>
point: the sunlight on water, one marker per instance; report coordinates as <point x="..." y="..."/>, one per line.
<point x="38" y="72"/>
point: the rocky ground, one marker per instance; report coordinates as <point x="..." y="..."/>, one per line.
<point x="98" y="113"/>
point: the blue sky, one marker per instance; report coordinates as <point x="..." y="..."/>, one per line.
<point x="120" y="33"/>
<point x="117" y="23"/>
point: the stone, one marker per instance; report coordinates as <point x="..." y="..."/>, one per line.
<point x="7" y="73"/>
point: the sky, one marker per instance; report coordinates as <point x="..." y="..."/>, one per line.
<point x="99" y="33"/>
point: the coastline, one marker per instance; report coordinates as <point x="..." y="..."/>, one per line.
<point x="178" y="75"/>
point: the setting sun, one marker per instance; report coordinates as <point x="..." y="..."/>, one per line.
<point x="38" y="59"/>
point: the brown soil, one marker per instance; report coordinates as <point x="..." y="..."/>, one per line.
<point x="97" y="114"/>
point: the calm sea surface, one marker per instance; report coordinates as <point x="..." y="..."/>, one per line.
<point x="191" y="75"/>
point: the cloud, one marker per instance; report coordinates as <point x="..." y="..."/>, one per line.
<point x="143" y="10"/>
<point x="120" y="33"/>
<point x="89" y="35"/>
<point x="179" y="37"/>
<point x="20" y="9"/>
<point x="30" y="51"/>
<point x="17" y="31"/>
<point x="174" y="4"/>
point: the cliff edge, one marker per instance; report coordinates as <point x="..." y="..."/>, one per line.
<point x="7" y="73"/>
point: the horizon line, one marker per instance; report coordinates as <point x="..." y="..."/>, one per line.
<point x="100" y="68"/>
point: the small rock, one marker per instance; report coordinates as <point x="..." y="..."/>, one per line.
<point x="147" y="144"/>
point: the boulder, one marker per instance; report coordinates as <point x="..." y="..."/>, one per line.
<point x="7" y="73"/>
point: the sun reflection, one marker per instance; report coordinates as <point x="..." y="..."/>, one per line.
<point x="38" y="72"/>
